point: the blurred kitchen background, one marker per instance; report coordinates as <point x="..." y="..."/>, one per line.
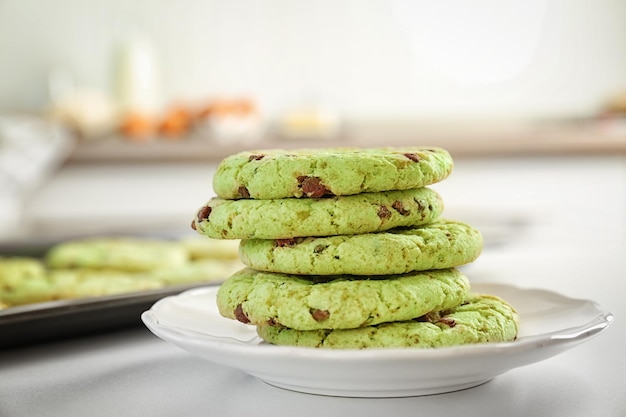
<point x="114" y="114"/>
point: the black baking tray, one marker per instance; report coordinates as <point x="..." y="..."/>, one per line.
<point x="56" y="320"/>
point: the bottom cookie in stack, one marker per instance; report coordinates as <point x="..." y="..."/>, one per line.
<point x="481" y="318"/>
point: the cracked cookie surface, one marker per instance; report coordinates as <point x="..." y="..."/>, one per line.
<point x="291" y="217"/>
<point x="337" y="302"/>
<point x="437" y="245"/>
<point x="302" y="173"/>
<point x="480" y="319"/>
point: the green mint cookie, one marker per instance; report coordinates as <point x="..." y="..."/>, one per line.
<point x="272" y="174"/>
<point x="337" y="302"/>
<point x="291" y="217"/>
<point x="437" y="245"/>
<point x="481" y="319"/>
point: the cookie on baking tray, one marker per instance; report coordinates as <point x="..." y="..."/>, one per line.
<point x="26" y="281"/>
<point x="273" y="174"/>
<point x="202" y="248"/>
<point x="122" y="254"/>
<point x="80" y="283"/>
<point x="93" y="267"/>
<point x="480" y="319"/>
<point x="23" y="280"/>
<point x="437" y="245"/>
<point x="337" y="302"/>
<point x="16" y="269"/>
<point x="291" y="217"/>
<point x="207" y="271"/>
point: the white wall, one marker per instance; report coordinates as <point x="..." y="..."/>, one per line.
<point x="368" y="57"/>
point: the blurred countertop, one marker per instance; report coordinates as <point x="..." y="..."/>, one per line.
<point x="461" y="138"/>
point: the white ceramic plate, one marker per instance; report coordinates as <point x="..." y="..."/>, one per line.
<point x="550" y="324"/>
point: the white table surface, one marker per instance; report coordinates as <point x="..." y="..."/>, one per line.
<point x="576" y="247"/>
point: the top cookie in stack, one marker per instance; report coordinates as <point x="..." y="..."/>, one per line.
<point x="328" y="172"/>
<point x="347" y="240"/>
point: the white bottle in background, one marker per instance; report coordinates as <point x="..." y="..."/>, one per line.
<point x="137" y="78"/>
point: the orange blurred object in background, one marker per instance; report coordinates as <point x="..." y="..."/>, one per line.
<point x="137" y="126"/>
<point x="176" y="123"/>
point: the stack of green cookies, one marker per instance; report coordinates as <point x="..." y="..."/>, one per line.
<point x="345" y="248"/>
